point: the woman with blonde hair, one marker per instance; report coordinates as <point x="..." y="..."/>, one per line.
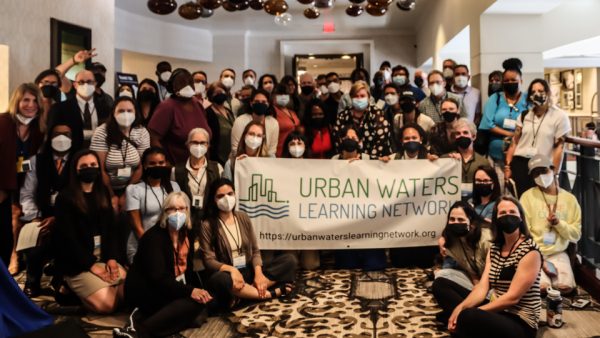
<point x="20" y="139"/>
<point x="161" y="283"/>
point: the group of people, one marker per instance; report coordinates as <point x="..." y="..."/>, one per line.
<point x="134" y="200"/>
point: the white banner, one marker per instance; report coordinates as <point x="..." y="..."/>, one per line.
<point x="336" y="204"/>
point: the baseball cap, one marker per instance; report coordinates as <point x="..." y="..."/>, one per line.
<point x="539" y="161"/>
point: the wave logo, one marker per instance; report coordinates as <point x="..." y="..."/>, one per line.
<point x="262" y="189"/>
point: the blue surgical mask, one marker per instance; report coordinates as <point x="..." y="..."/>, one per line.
<point x="360" y="104"/>
<point x="400" y="80"/>
<point x="176" y="220"/>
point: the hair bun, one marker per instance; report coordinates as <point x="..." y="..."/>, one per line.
<point x="512" y="64"/>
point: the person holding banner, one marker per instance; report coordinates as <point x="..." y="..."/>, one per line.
<point x="254" y="145"/>
<point x="370" y="122"/>
<point x="412" y="148"/>
<point x="512" y="271"/>
<point x="464" y="245"/>
<point x="232" y="256"/>
<point x="350" y="147"/>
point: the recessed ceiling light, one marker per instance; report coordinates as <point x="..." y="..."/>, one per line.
<point x="346" y="57"/>
<point x="312" y="57"/>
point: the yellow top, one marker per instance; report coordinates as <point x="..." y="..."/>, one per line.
<point x="552" y="239"/>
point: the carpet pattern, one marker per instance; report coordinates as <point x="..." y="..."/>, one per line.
<point x="394" y="303"/>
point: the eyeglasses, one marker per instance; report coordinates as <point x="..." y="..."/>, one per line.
<point x="484" y="181"/>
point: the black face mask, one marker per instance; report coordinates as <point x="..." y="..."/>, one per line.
<point x="307" y="90"/>
<point x="419" y="82"/>
<point x="407" y="106"/>
<point x="260" y="109"/>
<point x="494" y="88"/>
<point x="219" y="98"/>
<point x="349" y="145"/>
<point x="51" y="92"/>
<point x="482" y="189"/>
<point x="538" y="99"/>
<point x="411" y="146"/>
<point x="458" y="229"/>
<point x="88" y="175"/>
<point x="99" y="79"/>
<point x="146" y="95"/>
<point x="508" y="224"/>
<point x="318" y="122"/>
<point x="463" y="142"/>
<point x="157" y="172"/>
<point x="449" y="117"/>
<point x="511" y="88"/>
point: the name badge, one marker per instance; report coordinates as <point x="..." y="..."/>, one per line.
<point x="124" y="172"/>
<point x="509" y="124"/>
<point x="380" y="104"/>
<point x="529" y="152"/>
<point x="197" y="201"/>
<point x="549" y="237"/>
<point x="181" y="278"/>
<point x="239" y="261"/>
<point x="23" y="165"/>
<point x="97" y="242"/>
<point x="53" y="199"/>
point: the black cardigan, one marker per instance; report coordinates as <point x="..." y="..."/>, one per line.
<point x="73" y="237"/>
<point x="150" y="282"/>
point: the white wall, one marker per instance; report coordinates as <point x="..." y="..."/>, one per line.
<point x="144" y="65"/>
<point x="25" y="28"/>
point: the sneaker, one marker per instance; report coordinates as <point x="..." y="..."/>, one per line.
<point x="130" y="324"/>
<point x="123" y="333"/>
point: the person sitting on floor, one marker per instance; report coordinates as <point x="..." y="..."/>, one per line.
<point x="231" y="254"/>
<point x="554" y="219"/>
<point x="161" y="281"/>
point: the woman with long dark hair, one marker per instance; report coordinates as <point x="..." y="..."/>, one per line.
<point x="84" y="240"/>
<point x="465" y="244"/>
<point x="512" y="272"/>
<point x="486" y="190"/>
<point x="147" y="99"/>
<point x="120" y="143"/>
<point x="144" y="200"/>
<point x="232" y="256"/>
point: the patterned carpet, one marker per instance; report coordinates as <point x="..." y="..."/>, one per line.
<point x="350" y="304"/>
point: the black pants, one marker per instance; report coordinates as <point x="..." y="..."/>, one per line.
<point x="281" y="269"/>
<point x="474" y="322"/>
<point x="35" y="258"/>
<point x="6" y="236"/>
<point x="520" y="174"/>
<point x="172" y="318"/>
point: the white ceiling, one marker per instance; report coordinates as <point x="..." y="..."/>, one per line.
<point x="395" y="21"/>
<point x="523" y="6"/>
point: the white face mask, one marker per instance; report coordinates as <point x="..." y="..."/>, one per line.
<point x="461" y="81"/>
<point x="199" y="88"/>
<point x="436" y="89"/>
<point x="61" y="143"/>
<point x="544" y="180"/>
<point x="253" y="142"/>
<point x="226" y="203"/>
<point x="126" y="93"/>
<point x="249" y="81"/>
<point x="186" y="91"/>
<point x="324" y="90"/>
<point x="448" y="73"/>
<point x="85" y="90"/>
<point x="297" y="150"/>
<point x="125" y="119"/>
<point x="282" y="100"/>
<point x="164" y="76"/>
<point x="333" y="87"/>
<point x="198" y="150"/>
<point x="268" y="87"/>
<point x="391" y="99"/>
<point x="387" y="75"/>
<point x="24" y="120"/>
<point x="227" y="82"/>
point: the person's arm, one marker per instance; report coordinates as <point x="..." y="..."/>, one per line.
<point x="476" y="297"/>
<point x="208" y="252"/>
<point x="133" y="205"/>
<point x="79" y="57"/>
<point x="256" y="257"/>
<point x="27" y="195"/>
<point x="557" y="154"/>
<point x="527" y="272"/>
<point x="137" y="175"/>
<point x="569" y="227"/>
<point x="160" y="123"/>
<point x="236" y="133"/>
<point x="155" y="139"/>
<point x="273" y="136"/>
<point x="511" y="151"/>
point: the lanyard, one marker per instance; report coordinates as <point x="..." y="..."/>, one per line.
<point x="535" y="132"/>
<point x="162" y="190"/>
<point x="238" y="241"/>
<point x="197" y="181"/>
<point x="551" y="208"/>
<point x="484" y="207"/>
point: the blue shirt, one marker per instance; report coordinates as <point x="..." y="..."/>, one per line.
<point x="495" y="112"/>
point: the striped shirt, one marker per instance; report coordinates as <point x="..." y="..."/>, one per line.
<point x="502" y="272"/>
<point x="128" y="155"/>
